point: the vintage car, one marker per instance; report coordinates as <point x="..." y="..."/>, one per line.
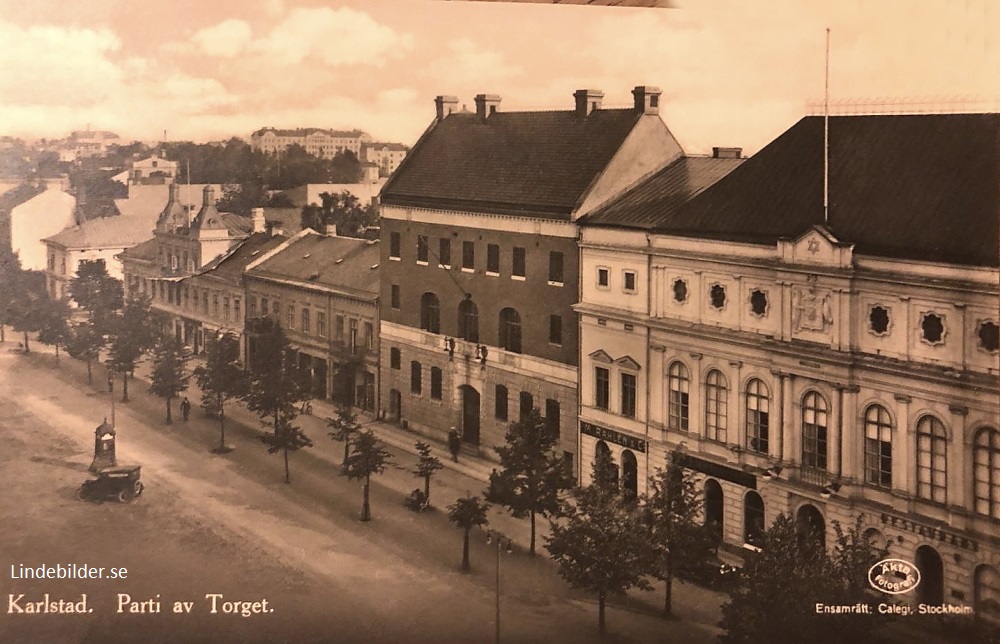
<point x="121" y="482"/>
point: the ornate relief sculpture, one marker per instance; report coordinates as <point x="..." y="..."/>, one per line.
<point x="810" y="310"/>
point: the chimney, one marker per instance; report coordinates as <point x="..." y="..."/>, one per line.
<point x="330" y="230"/>
<point x="647" y="99"/>
<point x="208" y="198"/>
<point x="486" y="104"/>
<point x="276" y="231"/>
<point x="257" y="220"/>
<point x="727" y="153"/>
<point x="445" y="105"/>
<point x="587" y="100"/>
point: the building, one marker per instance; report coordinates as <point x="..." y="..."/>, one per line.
<point x="323" y="290"/>
<point x="479" y="258"/>
<point x="824" y="363"/>
<point x="386" y="156"/>
<point x="321" y="143"/>
<point x="30" y="213"/>
<point x="310" y="194"/>
<point x="90" y="143"/>
<point x="154" y="170"/>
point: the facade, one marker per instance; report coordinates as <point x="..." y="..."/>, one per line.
<point x="479" y="259"/>
<point x="386" y="156"/>
<point x="323" y="290"/>
<point x="152" y="170"/>
<point x="89" y="143"/>
<point x="827" y="367"/>
<point x="310" y="194"/>
<point x="29" y="214"/>
<point x="321" y="143"/>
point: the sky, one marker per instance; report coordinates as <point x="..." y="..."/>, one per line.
<point x="733" y="72"/>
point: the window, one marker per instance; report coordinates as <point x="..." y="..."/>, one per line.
<point x="678" y="383"/>
<point x="510" y="330"/>
<point x="814" y="419"/>
<point x="415" y="384"/>
<point x="716" y="405"/>
<point x="436" y="383"/>
<point x="517" y="263"/>
<point x="444" y="253"/>
<point x="878" y="446"/>
<point x="321" y="324"/>
<point x="291" y="316"/>
<point x="717" y="296"/>
<point x="422" y="249"/>
<point x="555" y="267"/>
<point x="430" y="313"/>
<point x="680" y="289"/>
<point x="527" y="403"/>
<point x="753" y="519"/>
<point x="352" y="338"/>
<point x="758" y="418"/>
<point x="394" y="246"/>
<point x="394" y="296"/>
<point x="878" y="320"/>
<point x="500" y="405"/>
<point x="986" y="472"/>
<point x="628" y="281"/>
<point x="369" y="336"/>
<point x="52" y="262"/>
<point x="552" y="416"/>
<point x="555" y="329"/>
<point x="339" y="329"/>
<point x="628" y="395"/>
<point x="225" y="307"/>
<point x="602" y="387"/>
<point x="395" y="358"/>
<point x="215" y="304"/>
<point x="469" y="255"/>
<point x="468" y="321"/>
<point x="932" y="328"/>
<point x="989" y="336"/>
<point x="306" y="320"/>
<point x="236" y="306"/>
<point x="603" y="277"/>
<point x="263" y="306"/>
<point x="758" y="302"/>
<point x="493" y="259"/>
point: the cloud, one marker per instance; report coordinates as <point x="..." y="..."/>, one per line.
<point x="226" y="39"/>
<point x="468" y="63"/>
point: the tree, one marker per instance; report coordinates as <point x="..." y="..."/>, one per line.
<point x="601" y="546"/>
<point x="276" y="387"/>
<point x="426" y="467"/>
<point x="54" y="328"/>
<point x="134" y="331"/>
<point x="344" y="425"/>
<point x="97" y="293"/>
<point x="369" y="457"/>
<point x="532" y="475"/>
<point x="680" y="542"/>
<point x="468" y="513"/>
<point x="85" y="343"/>
<point x="11" y="276"/>
<point x="27" y="305"/>
<point x="169" y="377"/>
<point x="343" y="210"/>
<point x="222" y="377"/>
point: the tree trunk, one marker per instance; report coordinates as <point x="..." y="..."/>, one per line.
<point x="3" y="337"/>
<point x="668" y="579"/>
<point x="427" y="490"/>
<point x="465" y="552"/>
<point x="124" y="387"/>
<point x="222" y="426"/>
<point x="27" y="349"/>
<point x="288" y="475"/>
<point x="366" y="512"/>
<point x="57" y="353"/>
<point x="347" y="446"/>
<point x="169" y="419"/>
<point x="600" y="611"/>
<point x="90" y="374"/>
<point x="531" y="550"/>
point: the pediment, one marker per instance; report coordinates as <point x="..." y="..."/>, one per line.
<point x="817" y="245"/>
<point x="627" y="362"/>
<point x="601" y="356"/>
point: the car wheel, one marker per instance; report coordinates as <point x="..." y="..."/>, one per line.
<point x="139" y="487"/>
<point x="125" y="496"/>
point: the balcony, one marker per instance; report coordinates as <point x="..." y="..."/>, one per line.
<point x="814" y="476"/>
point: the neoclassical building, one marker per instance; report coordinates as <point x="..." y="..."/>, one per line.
<point x="829" y="362"/>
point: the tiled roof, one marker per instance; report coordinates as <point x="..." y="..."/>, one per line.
<point x="306" y="131"/>
<point x="339" y="262"/>
<point x="109" y="232"/>
<point x="230" y="266"/>
<point x="659" y="197"/>
<point x="146" y="250"/>
<point x="541" y="162"/>
<point x="237" y="225"/>
<point x="921" y="187"/>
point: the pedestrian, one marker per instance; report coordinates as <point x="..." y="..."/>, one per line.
<point x="454" y="443"/>
<point x="185" y="408"/>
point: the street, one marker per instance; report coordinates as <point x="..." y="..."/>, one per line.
<point x="228" y="525"/>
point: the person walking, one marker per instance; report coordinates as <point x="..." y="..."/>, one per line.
<point x="185" y="408"/>
<point x="454" y="443"/>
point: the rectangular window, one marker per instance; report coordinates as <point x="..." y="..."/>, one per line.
<point x="436" y="383"/>
<point x="225" y="308"/>
<point x="555" y="329"/>
<point x="263" y="306"/>
<point x="552" y="416"/>
<point x="339" y="329"/>
<point x="306" y="320"/>
<point x="603" y="277"/>
<point x="493" y="259"/>
<point x="500" y="408"/>
<point x="602" y="387"/>
<point x="369" y="336"/>
<point x="555" y="267"/>
<point x="628" y="281"/>
<point x="527" y="404"/>
<point x="352" y="338"/>
<point x="395" y="358"/>
<point x="444" y="253"/>
<point x="415" y="384"/>
<point x="422" y="248"/>
<point x="517" y="268"/>
<point x="394" y="296"/>
<point x="291" y="316"/>
<point x="321" y="324"/>
<point x="215" y="305"/>
<point x="628" y="395"/>
<point x="394" y="246"/>
<point x="236" y="307"/>
<point x="469" y="255"/>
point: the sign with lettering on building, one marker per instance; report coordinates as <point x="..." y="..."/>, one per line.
<point x="612" y="436"/>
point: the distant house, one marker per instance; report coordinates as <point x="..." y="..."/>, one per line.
<point x="153" y="170"/>
<point x="89" y="143"/>
<point x="309" y="194"/>
<point x="386" y="156"/>
<point x="29" y="214"/>
<point x="317" y="142"/>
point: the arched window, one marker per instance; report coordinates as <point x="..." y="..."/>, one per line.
<point x="753" y="518"/>
<point x="986" y="596"/>
<point x="758" y="418"/>
<point x="814" y="424"/>
<point x="468" y="321"/>
<point x="678" y="383"/>
<point x="932" y="461"/>
<point x="878" y="446"/>
<point x="430" y="313"/>
<point x="986" y="467"/>
<point x="716" y="404"/>
<point x="510" y="330"/>
<point x="605" y="472"/>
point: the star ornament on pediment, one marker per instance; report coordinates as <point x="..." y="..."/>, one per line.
<point x="813" y="246"/>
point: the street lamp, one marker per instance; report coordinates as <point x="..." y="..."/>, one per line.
<point x="111" y="392"/>
<point x="506" y="544"/>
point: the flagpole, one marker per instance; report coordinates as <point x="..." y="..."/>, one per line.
<point x="826" y="135"/>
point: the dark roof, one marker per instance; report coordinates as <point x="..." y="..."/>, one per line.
<point x="541" y="162"/>
<point x="110" y="232"/>
<point x="343" y="263"/>
<point x="146" y="251"/>
<point x="289" y="220"/>
<point x="662" y="194"/>
<point x="230" y="265"/>
<point x="922" y="187"/>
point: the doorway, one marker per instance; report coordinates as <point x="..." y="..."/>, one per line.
<point x="470" y="415"/>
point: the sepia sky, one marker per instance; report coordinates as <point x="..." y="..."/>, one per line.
<point x="733" y="73"/>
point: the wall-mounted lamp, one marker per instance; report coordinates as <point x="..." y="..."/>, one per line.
<point x="829" y="490"/>
<point x="481" y="353"/>
<point x="771" y="473"/>
<point x="449" y="347"/>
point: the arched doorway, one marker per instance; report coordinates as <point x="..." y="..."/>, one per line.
<point x="470" y="415"/>
<point x="931" y="588"/>
<point x="714" y="507"/>
<point x="630" y="476"/>
<point x="753" y="518"/>
<point x="395" y="405"/>
<point x="810" y="526"/>
<point x="604" y="466"/>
